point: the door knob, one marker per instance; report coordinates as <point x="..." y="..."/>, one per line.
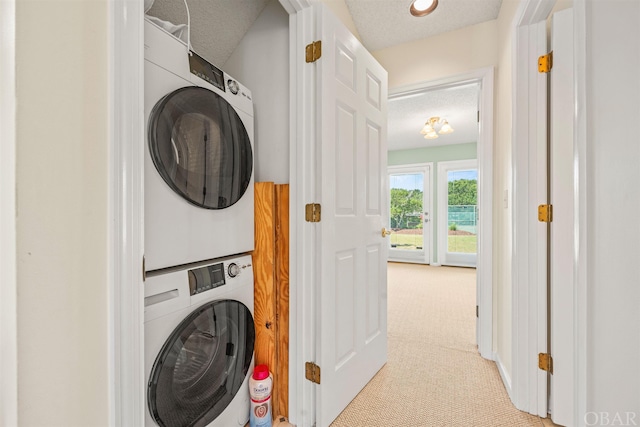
<point x="385" y="232"/>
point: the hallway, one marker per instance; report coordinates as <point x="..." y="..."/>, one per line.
<point x="434" y="375"/>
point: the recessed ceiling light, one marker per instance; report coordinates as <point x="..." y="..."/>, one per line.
<point x="423" y="7"/>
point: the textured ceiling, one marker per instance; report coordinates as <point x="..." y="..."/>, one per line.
<point x="384" y="23"/>
<point x="217" y="26"/>
<point x="407" y="115"/>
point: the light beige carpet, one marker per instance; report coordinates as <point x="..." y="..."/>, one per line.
<point x="434" y="375"/>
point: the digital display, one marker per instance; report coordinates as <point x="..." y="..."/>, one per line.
<point x="206" y="71"/>
<point x="206" y="278"/>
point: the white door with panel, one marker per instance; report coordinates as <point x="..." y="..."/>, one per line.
<point x="410" y="213"/>
<point x="352" y="272"/>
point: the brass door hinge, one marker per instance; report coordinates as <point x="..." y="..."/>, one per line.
<point x="545" y="63"/>
<point x="545" y="362"/>
<point x="313" y="212"/>
<point x="545" y="213"/>
<point x="313" y="51"/>
<point x="312" y="372"/>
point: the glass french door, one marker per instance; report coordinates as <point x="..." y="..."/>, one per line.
<point x="458" y="213"/>
<point x="409" y="214"/>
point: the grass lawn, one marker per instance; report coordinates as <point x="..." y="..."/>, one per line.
<point x="463" y="244"/>
<point x="406" y="241"/>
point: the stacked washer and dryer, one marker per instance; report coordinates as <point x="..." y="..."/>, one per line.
<point x="199" y="207"/>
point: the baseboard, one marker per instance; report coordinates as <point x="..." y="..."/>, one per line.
<point x="506" y="379"/>
<point x="406" y="261"/>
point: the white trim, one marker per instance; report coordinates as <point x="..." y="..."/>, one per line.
<point x="126" y="214"/>
<point x="485" y="206"/>
<point x="581" y="260"/>
<point x="506" y="379"/>
<point x="529" y="330"/>
<point x="485" y="191"/>
<point x="294" y="6"/>
<point x="302" y="191"/>
<point x="8" y="238"/>
<point x="412" y="256"/>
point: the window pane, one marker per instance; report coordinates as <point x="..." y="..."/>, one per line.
<point x="406" y="211"/>
<point x="462" y="211"/>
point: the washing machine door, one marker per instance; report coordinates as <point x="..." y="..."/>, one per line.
<point x="200" y="147"/>
<point x="202" y="365"/>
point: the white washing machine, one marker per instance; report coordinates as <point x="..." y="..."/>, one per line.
<point x="199" y="341"/>
<point x="198" y="157"/>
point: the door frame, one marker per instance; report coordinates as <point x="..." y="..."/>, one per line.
<point x="303" y="189"/>
<point x="127" y="385"/>
<point x="408" y="168"/>
<point x="8" y="241"/>
<point x="127" y="391"/>
<point x="485" y="76"/>
<point x="580" y="259"/>
<point x="528" y="386"/>
<point x="443" y="217"/>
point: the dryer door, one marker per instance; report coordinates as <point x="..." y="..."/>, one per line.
<point x="202" y="365"/>
<point x="200" y="147"/>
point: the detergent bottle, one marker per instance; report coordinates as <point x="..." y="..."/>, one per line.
<point x="260" y="387"/>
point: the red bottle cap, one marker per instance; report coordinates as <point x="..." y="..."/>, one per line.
<point x="261" y="372"/>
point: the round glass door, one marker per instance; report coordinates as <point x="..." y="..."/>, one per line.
<point x="202" y="365"/>
<point x="200" y="147"/>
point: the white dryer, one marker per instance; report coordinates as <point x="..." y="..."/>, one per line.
<point x="199" y="341"/>
<point x="198" y="157"/>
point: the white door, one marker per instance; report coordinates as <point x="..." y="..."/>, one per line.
<point x="410" y="213"/>
<point x="352" y="272"/>
<point x="562" y="234"/>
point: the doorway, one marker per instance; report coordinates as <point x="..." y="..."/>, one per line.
<point x="483" y="122"/>
<point x="410" y="204"/>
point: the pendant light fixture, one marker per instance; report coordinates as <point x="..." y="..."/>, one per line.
<point x="429" y="129"/>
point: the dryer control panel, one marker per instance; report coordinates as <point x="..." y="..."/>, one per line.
<point x="212" y="276"/>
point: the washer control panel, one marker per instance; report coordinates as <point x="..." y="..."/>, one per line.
<point x="206" y="71"/>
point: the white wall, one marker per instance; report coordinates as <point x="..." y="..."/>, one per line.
<point x="445" y="55"/>
<point x="261" y="62"/>
<point x="340" y="9"/>
<point x="62" y="159"/>
<point x="613" y="201"/>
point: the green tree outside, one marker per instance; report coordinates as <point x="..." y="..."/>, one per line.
<point x="404" y="205"/>
<point x="463" y="192"/>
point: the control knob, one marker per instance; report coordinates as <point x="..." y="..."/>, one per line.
<point x="234" y="88"/>
<point x="233" y="269"/>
